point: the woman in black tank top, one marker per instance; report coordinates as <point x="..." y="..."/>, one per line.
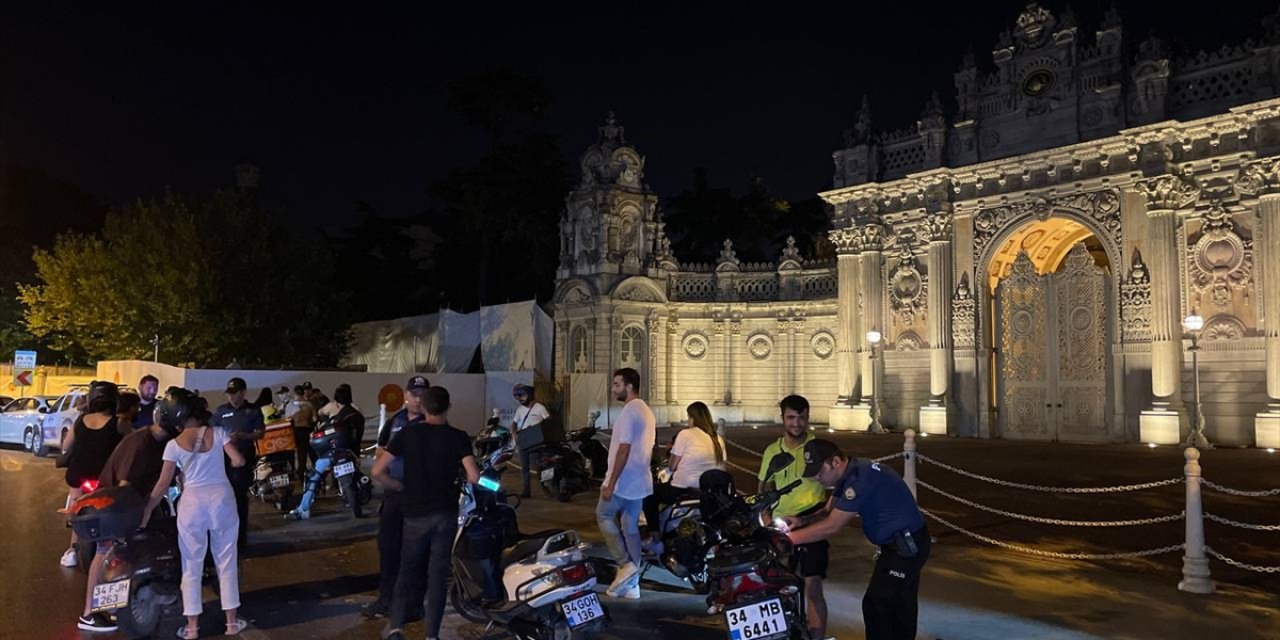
<point x="90" y="450"/>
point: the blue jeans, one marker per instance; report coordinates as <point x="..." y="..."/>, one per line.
<point x="424" y="557"/>
<point x="313" y="482"/>
<point x="624" y="540"/>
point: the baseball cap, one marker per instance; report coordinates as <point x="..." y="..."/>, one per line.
<point x="417" y="382"/>
<point x="817" y="452"/>
<point x="235" y="385"/>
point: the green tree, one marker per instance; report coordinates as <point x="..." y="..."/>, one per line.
<point x="213" y="278"/>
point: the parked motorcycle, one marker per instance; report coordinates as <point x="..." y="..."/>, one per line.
<point x="685" y="548"/>
<point x="538" y="586"/>
<point x="353" y="485"/>
<point x="562" y="467"/>
<point x="273" y="473"/>
<point x="593" y="452"/>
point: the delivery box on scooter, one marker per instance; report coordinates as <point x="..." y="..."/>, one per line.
<point x="108" y="513"/>
<point x="545" y="432"/>
<point x="277" y="438"/>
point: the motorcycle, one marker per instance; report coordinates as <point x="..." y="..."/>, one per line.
<point x="684" y="543"/>
<point x="596" y="455"/>
<point x="749" y="576"/>
<point x="562" y="461"/>
<point x="538" y="586"/>
<point x="353" y="485"/>
<point x="273" y="473"/>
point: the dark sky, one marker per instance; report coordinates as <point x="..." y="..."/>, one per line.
<point x="346" y="105"/>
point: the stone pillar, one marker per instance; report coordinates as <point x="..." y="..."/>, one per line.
<point x="870" y="265"/>
<point x="1262" y="178"/>
<point x="1165" y="196"/>
<point x="933" y="417"/>
<point x="673" y="359"/>
<point x="846" y="315"/>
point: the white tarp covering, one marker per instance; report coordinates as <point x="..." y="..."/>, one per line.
<point x="589" y="392"/>
<point x="516" y="337"/>
<point x="434" y="343"/>
<point x="497" y="391"/>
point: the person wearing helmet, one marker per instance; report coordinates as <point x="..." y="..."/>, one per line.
<point x="86" y="448"/>
<point x="136" y="463"/>
<point x="528" y="414"/>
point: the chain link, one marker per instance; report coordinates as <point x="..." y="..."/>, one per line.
<point x="1055" y="521"/>
<point x="889" y="457"/>
<point x="1242" y="525"/>
<point x="1237" y="492"/>
<point x="1035" y="487"/>
<point x="1055" y="554"/>
<point x="1240" y="565"/>
<point x="740" y="447"/>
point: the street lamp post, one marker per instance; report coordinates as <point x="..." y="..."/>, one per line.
<point x="1196" y="438"/>
<point x="873" y="337"/>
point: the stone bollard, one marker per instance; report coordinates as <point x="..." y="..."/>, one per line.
<point x="1195" y="566"/>
<point x="909" y="460"/>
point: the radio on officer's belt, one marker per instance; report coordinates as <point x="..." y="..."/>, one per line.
<point x="905" y="544"/>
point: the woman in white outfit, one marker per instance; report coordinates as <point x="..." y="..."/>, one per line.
<point x="207" y="509"/>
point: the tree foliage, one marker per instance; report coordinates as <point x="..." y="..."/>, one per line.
<point x="213" y="278"/>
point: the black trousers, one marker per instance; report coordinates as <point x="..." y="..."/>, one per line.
<point x="424" y="566"/>
<point x="891" y="603"/>
<point x="663" y="494"/>
<point x="524" y="470"/>
<point x="241" y="479"/>
<point x="390" y="539"/>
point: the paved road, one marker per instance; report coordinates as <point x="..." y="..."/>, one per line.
<point x="307" y="580"/>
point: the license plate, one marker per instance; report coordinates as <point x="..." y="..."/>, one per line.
<point x="344" y="469"/>
<point x="548" y="474"/>
<point x="580" y="611"/>
<point x="113" y="595"/>
<point x="757" y="620"/>
<point x="279" y="481"/>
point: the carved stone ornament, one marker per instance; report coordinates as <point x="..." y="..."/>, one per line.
<point x="637" y="294"/>
<point x="823" y="344"/>
<point x="908" y="289"/>
<point x="576" y="295"/>
<point x="1135" y="302"/>
<point x="845" y="240"/>
<point x="759" y="346"/>
<point x="695" y="346"/>
<point x="963" y="320"/>
<point x="1034" y="26"/>
<point x="728" y="258"/>
<point x="870" y="235"/>
<point x="1220" y="260"/>
<point x="1260" y="178"/>
<point x="1101" y="207"/>
<point x="1223" y="327"/>
<point x="937" y="226"/>
<point x="908" y="341"/>
<point x="1169" y="192"/>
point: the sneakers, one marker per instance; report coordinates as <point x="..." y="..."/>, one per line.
<point x="630" y="593"/>
<point x="376" y="609"/>
<point x="68" y="558"/>
<point x="623" y="580"/>
<point x="97" y="623"/>
<point x="297" y="514"/>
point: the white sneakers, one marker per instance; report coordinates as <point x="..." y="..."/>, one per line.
<point x="623" y="584"/>
<point x="68" y="558"/>
<point x="297" y="514"/>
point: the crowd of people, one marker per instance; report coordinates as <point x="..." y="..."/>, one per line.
<point x="139" y="441"/>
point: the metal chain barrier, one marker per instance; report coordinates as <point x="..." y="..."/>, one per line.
<point x="1237" y="492"/>
<point x="1242" y="525"/>
<point x="1034" y="487"/>
<point x="1055" y="521"/>
<point x="1240" y="565"/>
<point x="1055" y="554"/>
<point x="735" y="445"/>
<point x="891" y="456"/>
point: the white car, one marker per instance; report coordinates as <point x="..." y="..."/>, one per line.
<point x="20" y="420"/>
<point x="58" y="420"/>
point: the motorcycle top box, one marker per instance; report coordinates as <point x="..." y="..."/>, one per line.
<point x="545" y="432"/>
<point x="108" y="513"/>
<point x="325" y="439"/>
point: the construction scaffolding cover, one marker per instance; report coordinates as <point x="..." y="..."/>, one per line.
<point x="516" y="337"/>
<point x="441" y="342"/>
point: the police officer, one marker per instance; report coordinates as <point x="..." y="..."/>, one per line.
<point x="243" y="424"/>
<point x="890" y="519"/>
<point x="390" y="517"/>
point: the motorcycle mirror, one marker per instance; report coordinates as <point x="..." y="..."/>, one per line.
<point x="779" y="462"/>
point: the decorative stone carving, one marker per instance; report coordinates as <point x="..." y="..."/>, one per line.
<point x="1220" y="260"/>
<point x="1223" y="327"/>
<point x="695" y="346"/>
<point x="728" y="258"/>
<point x="908" y="289"/>
<point x="1034" y="26"/>
<point x="963" y="320"/>
<point x="870" y="235"/>
<point x="759" y="346"/>
<point x="1101" y="207"/>
<point x="937" y="226"/>
<point x="1135" y="302"/>
<point x="1169" y="192"/>
<point x="845" y="240"/>
<point x="823" y="344"/>
<point x="908" y="341"/>
<point x="1260" y="178"/>
<point x="637" y="294"/>
<point x="576" y="295"/>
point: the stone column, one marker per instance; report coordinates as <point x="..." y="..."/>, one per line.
<point x="846" y="315"/>
<point x="673" y="358"/>
<point x="1164" y="197"/>
<point x="871" y="262"/>
<point x="933" y="417"/>
<point x="1262" y="178"/>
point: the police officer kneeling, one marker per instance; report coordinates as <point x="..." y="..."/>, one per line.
<point x="890" y="519"/>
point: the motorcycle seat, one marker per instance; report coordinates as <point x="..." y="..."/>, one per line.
<point x="735" y="560"/>
<point x="527" y="546"/>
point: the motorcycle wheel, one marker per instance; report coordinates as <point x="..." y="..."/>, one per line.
<point x="352" y="495"/>
<point x="563" y="490"/>
<point x="286" y="494"/>
<point x="558" y="630"/>
<point x="366" y="490"/>
<point x="465" y="606"/>
<point x="143" y="615"/>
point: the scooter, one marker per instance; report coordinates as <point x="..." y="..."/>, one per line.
<point x="273" y="473"/>
<point x="538" y="586"/>
<point x="353" y="485"/>
<point x="685" y="548"/>
<point x="593" y="452"/>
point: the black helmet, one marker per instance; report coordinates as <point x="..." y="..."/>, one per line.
<point x="342" y="395"/>
<point x="174" y="408"/>
<point x="103" y="396"/>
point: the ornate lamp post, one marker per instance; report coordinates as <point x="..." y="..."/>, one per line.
<point x="873" y="338"/>
<point x="1196" y="438"/>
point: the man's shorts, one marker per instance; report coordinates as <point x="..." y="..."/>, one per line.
<point x="810" y="560"/>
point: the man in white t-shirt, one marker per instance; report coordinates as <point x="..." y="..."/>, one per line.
<point x="627" y="483"/>
<point x="529" y="414"/>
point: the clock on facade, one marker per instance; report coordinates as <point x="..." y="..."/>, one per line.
<point x="1037" y="82"/>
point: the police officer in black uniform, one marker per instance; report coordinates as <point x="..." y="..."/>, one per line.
<point x="390" y="517"/>
<point x="890" y="519"/>
<point x="243" y="424"/>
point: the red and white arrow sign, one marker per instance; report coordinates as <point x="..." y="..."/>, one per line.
<point x="23" y="378"/>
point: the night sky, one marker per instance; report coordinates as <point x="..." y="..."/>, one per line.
<point x="341" y="106"/>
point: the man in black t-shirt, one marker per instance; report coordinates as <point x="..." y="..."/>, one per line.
<point x="432" y="453"/>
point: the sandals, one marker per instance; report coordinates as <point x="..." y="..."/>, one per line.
<point x="185" y="633"/>
<point x="236" y="627"/>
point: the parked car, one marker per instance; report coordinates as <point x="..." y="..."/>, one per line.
<point x="5" y="400"/>
<point x="60" y="417"/>
<point x="20" y="420"/>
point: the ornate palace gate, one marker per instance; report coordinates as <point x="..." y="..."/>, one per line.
<point x="1052" y="337"/>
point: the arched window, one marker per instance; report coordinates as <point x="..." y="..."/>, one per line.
<point x="580" y="354"/>
<point x="631" y="351"/>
